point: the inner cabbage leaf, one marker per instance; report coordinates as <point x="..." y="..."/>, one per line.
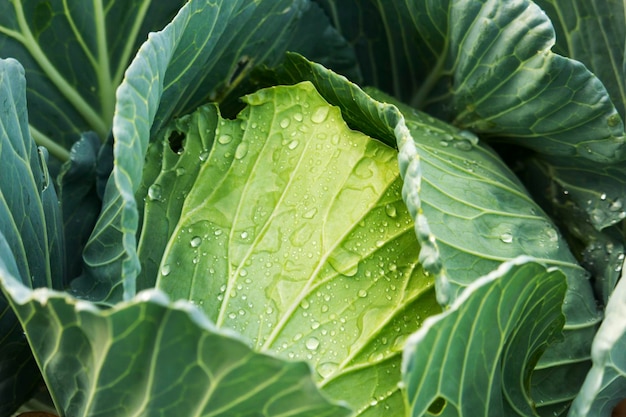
<point x="293" y="232"/>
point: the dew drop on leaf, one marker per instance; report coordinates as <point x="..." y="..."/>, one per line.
<point x="293" y="144"/>
<point x="165" y="270"/>
<point x="463" y="145"/>
<point x="391" y="211"/>
<point x="312" y="343"/>
<point x="362" y="293"/>
<point x="285" y="123"/>
<point x="224" y="139"/>
<point x="155" y="192"/>
<point x="326" y="369"/>
<point x="180" y="171"/>
<point x="310" y="214"/>
<point x="344" y="262"/>
<point x="616" y="205"/>
<point x="203" y="156"/>
<point x="613" y="120"/>
<point x="298" y="117"/>
<point x="506" y="237"/>
<point x="195" y="241"/>
<point x="320" y="114"/>
<point x="241" y="151"/>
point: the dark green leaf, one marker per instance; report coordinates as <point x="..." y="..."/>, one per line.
<point x="79" y="199"/>
<point x="605" y="385"/>
<point x="484" y="65"/>
<point x="593" y="32"/>
<point x="587" y="202"/>
<point x="75" y="54"/>
<point x="30" y="229"/>
<point x="475" y="359"/>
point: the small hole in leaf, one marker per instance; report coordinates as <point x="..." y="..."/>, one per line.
<point x="437" y="406"/>
<point x="176" y="141"/>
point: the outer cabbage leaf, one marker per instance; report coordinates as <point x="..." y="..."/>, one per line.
<point x="486" y="66"/>
<point x="75" y="54"/>
<point x="202" y="54"/>
<point x="79" y="198"/>
<point x="324" y="270"/>
<point x="466" y="191"/>
<point x="476" y="358"/>
<point x="30" y="229"/>
<point x="586" y="201"/>
<point x="605" y="385"/>
<point x="150" y="356"/>
<point x="593" y="32"/>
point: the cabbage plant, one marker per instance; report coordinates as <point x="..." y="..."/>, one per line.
<point x="312" y="208"/>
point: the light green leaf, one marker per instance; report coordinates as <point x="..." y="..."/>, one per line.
<point x="605" y="385"/>
<point x="75" y="54"/>
<point x="475" y="359"/>
<point x="202" y="54"/>
<point x="486" y="66"/>
<point x="324" y="270"/>
<point x="593" y="32"/>
<point x="150" y="356"/>
<point x="30" y="229"/>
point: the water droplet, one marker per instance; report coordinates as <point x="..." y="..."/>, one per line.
<point x="603" y="196"/>
<point x="203" y="156"/>
<point x="298" y="117"/>
<point x="310" y="214"/>
<point x="305" y="304"/>
<point x="244" y="235"/>
<point x="243" y="272"/>
<point x="155" y="192"/>
<point x="613" y="120"/>
<point x="616" y="205"/>
<point x="180" y="171"/>
<point x="232" y="315"/>
<point x="285" y="123"/>
<point x="344" y="261"/>
<point x="165" y="270"/>
<point x="241" y="151"/>
<point x="293" y="144"/>
<point x="320" y="114"/>
<point x="297" y="337"/>
<point x="391" y="211"/>
<point x="506" y="237"/>
<point x="469" y="136"/>
<point x="326" y="369"/>
<point x="443" y="143"/>
<point x="312" y="343"/>
<point x="362" y="293"/>
<point x="463" y="145"/>
<point x="217" y="232"/>
<point x="195" y="241"/>
<point x="315" y="325"/>
<point x="43" y="157"/>
<point x="224" y="139"/>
